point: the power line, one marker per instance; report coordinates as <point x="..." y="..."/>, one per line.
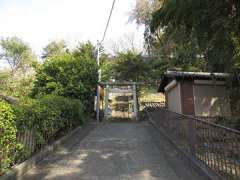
<point x="109" y="18"/>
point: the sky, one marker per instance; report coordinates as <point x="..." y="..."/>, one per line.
<point x="38" y="22"/>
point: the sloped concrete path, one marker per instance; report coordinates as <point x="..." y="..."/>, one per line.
<point x="115" y="151"/>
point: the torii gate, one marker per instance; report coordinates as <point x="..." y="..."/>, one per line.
<point x="116" y="88"/>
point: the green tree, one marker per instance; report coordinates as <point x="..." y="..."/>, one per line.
<point x="107" y="70"/>
<point x="130" y="66"/>
<point x="85" y="51"/>
<point x="168" y="48"/>
<point x="17" y="79"/>
<point x="54" y="48"/>
<point x="191" y="33"/>
<point x="18" y="54"/>
<point x="71" y="75"/>
<point x="211" y="29"/>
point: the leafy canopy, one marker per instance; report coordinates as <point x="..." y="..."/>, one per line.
<point x="210" y="27"/>
<point x="71" y="75"/>
<point x="17" y="54"/>
<point x="54" y="48"/>
<point x="130" y="66"/>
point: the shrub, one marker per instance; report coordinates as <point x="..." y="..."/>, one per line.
<point x="53" y="113"/>
<point x="49" y="115"/>
<point x="23" y="112"/>
<point x="7" y="136"/>
<point x="72" y="75"/>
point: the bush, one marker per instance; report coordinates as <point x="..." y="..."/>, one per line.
<point x="49" y="115"/>
<point x="52" y="113"/>
<point x="72" y="75"/>
<point x="7" y="136"/>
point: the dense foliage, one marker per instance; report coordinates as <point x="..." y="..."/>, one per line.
<point x="130" y="66"/>
<point x="17" y="54"/>
<point x="20" y="63"/>
<point x="212" y="31"/>
<point x="18" y="88"/>
<point x="7" y="136"/>
<point x="107" y="68"/>
<point x="72" y="75"/>
<point x="54" y="48"/>
<point x="50" y="98"/>
<point x="191" y="35"/>
<point x="49" y="114"/>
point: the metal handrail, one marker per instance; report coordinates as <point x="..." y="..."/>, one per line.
<point x="215" y="146"/>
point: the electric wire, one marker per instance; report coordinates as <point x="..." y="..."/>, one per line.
<point x="108" y="22"/>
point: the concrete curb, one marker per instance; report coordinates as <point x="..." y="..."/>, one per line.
<point x="197" y="165"/>
<point x="19" y="170"/>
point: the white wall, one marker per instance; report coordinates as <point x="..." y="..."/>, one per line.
<point x="174" y="99"/>
<point x="211" y="100"/>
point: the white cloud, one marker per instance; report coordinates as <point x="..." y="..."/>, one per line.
<point x="39" y="21"/>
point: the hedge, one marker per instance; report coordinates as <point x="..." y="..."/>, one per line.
<point x="7" y="136"/>
<point x="47" y="116"/>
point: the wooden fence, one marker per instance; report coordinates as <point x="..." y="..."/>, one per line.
<point x="28" y="138"/>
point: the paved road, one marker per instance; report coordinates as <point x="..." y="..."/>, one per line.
<point x="115" y="151"/>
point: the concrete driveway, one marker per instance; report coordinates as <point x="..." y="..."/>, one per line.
<point x="115" y="151"/>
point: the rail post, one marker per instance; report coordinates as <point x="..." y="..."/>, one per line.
<point x="192" y="136"/>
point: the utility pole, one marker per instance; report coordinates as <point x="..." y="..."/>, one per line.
<point x="99" y="45"/>
<point x="99" y="80"/>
